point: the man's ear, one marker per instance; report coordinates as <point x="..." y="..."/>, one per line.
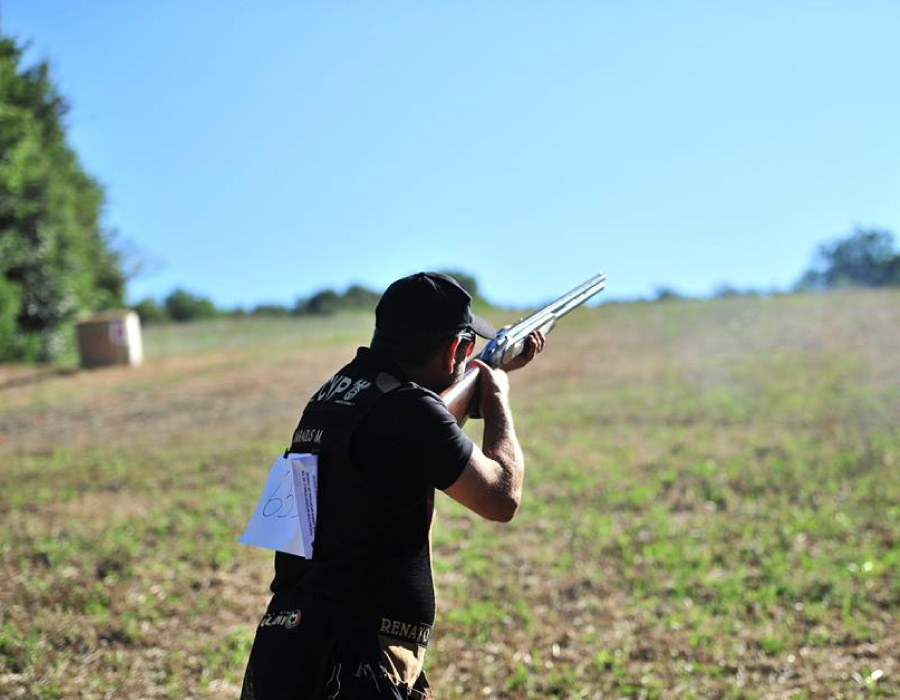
<point x="448" y="359"/>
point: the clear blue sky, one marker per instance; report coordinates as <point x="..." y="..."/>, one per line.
<point x="260" y="151"/>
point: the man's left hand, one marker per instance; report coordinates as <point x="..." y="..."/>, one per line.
<point x="533" y="345"/>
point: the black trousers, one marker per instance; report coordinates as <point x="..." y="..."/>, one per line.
<point x="307" y="648"/>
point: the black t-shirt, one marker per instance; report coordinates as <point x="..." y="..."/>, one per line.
<point x="408" y="446"/>
<point x="421" y="440"/>
<point x="405" y="446"/>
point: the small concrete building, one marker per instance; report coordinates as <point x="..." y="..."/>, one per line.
<point x="110" y="338"/>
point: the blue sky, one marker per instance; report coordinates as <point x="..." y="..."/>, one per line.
<point x="256" y="152"/>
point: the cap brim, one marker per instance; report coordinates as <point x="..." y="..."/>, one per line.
<point x="482" y="327"/>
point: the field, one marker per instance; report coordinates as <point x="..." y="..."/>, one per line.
<point x="712" y="510"/>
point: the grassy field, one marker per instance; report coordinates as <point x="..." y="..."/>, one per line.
<point x="712" y="510"/>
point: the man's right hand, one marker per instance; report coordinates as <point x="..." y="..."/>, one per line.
<point x="494" y="389"/>
<point x="491" y="483"/>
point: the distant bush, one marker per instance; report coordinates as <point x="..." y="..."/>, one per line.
<point x="327" y="302"/>
<point x="667" y="294"/>
<point x="466" y="281"/>
<point x="323" y="303"/>
<point x="150" y="312"/>
<point x="865" y="258"/>
<point x="359" y="297"/>
<point x="181" y="305"/>
<point x="269" y="311"/>
<point x="725" y="291"/>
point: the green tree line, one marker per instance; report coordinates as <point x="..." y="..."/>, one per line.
<point x="56" y="260"/>
<point x="181" y="305"/>
<point x="865" y="258"/>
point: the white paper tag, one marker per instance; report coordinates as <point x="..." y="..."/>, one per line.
<point x="285" y="516"/>
<point x="305" y="471"/>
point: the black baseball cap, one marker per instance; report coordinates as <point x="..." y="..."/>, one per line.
<point x="428" y="302"/>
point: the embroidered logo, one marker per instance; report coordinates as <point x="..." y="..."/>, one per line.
<point x="418" y="634"/>
<point x="341" y="389"/>
<point x="288" y="619"/>
<point x="361" y="385"/>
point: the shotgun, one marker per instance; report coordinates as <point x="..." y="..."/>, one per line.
<point x="462" y="397"/>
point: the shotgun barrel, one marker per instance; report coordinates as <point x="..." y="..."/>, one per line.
<point x="509" y="343"/>
<point x="510" y="340"/>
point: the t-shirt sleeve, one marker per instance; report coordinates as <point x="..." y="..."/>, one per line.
<point x="413" y="431"/>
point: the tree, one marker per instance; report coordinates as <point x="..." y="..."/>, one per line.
<point x="270" y="311"/>
<point x="664" y="293"/>
<point x="56" y="260"/>
<point x="327" y="301"/>
<point x="359" y="297"/>
<point x="150" y="312"/>
<point x="323" y="303"/>
<point x="466" y="281"/>
<point x="727" y="290"/>
<point x="865" y="258"/>
<point x="181" y="305"/>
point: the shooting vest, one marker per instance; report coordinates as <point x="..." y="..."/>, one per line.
<point x="352" y="523"/>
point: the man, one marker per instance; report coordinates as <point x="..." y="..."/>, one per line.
<point x="354" y="621"/>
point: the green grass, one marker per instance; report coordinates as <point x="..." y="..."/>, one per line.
<point x="253" y="334"/>
<point x="710" y="511"/>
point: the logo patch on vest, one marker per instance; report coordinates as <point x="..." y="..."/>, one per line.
<point x="410" y="632"/>
<point x="288" y="619"/>
<point x="342" y="390"/>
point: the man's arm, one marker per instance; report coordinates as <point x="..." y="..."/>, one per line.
<point x="491" y="483"/>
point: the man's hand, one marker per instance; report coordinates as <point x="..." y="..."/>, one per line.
<point x="491" y="483"/>
<point x="493" y="391"/>
<point x="533" y="345"/>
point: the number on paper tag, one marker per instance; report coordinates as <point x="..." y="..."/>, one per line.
<point x="285" y="516"/>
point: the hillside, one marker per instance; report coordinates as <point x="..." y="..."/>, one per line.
<point x="711" y="509"/>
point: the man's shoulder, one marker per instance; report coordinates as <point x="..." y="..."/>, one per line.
<point x="408" y="413"/>
<point x="409" y="398"/>
<point x="365" y="379"/>
<point x="410" y="433"/>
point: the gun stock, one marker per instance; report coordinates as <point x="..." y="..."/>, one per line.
<point x="461" y="397"/>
